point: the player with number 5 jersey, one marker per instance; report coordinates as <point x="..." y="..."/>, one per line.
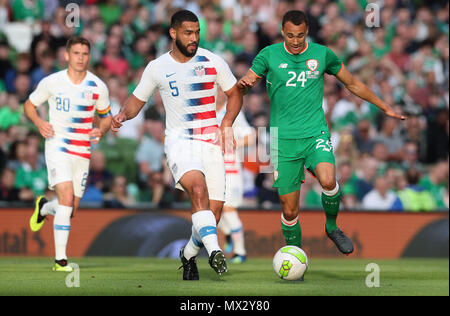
<point x="74" y="96"/>
<point x="300" y="138"/>
<point x="187" y="78"/>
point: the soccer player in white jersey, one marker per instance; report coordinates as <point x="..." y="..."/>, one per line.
<point x="74" y="95"/>
<point x="187" y="78"/>
<point x="230" y="223"/>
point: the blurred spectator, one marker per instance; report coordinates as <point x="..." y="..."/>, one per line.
<point x="17" y="154"/>
<point x="113" y="60"/>
<point x="346" y="149"/>
<point x="398" y="54"/>
<point x="363" y="137"/>
<point x="156" y="190"/>
<point x="27" y="10"/>
<point x="119" y="196"/>
<point x="415" y="131"/>
<point x="8" y="192"/>
<point x="381" y="198"/>
<point x="22" y="87"/>
<point x="110" y="12"/>
<point x="414" y="197"/>
<point x="365" y="181"/>
<point x="99" y="176"/>
<point x="150" y="154"/>
<point x="23" y="66"/>
<point x="347" y="182"/>
<point x="389" y="136"/>
<point x="47" y="37"/>
<point x="31" y="174"/>
<point x="436" y="182"/>
<point x="10" y="112"/>
<point x="45" y="67"/>
<point x="410" y="158"/>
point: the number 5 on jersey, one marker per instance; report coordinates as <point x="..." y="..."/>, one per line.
<point x="174" y="89"/>
<point x="301" y="78"/>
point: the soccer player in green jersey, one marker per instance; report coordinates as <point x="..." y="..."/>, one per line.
<point x="300" y="138"/>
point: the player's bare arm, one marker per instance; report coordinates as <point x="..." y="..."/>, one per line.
<point x="44" y="127"/>
<point x="130" y="109"/>
<point x="234" y="105"/>
<point x="359" y="89"/>
<point x="98" y="132"/>
<point x="248" y="81"/>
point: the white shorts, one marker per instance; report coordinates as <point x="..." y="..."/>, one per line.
<point x="234" y="189"/>
<point x="184" y="155"/>
<point x="63" y="167"/>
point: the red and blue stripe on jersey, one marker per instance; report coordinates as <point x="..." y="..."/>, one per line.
<point x="83" y="124"/>
<point x="198" y="103"/>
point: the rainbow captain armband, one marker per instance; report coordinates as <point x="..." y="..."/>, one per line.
<point x="104" y="113"/>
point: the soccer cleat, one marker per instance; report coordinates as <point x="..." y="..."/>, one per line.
<point x="228" y="246"/>
<point x="37" y="220"/>
<point x="62" y="266"/>
<point x="218" y="262"/>
<point x="190" y="271"/>
<point x="342" y="242"/>
<point x="238" y="259"/>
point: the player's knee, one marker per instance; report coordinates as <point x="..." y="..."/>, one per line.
<point x="328" y="184"/>
<point x="199" y="192"/>
<point x="290" y="213"/>
<point x="66" y="200"/>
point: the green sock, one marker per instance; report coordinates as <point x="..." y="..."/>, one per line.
<point x="331" y="206"/>
<point x="292" y="232"/>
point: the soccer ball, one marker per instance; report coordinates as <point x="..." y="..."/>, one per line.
<point x="290" y="263"/>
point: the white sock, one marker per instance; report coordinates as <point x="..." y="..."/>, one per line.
<point x="49" y="208"/>
<point x="223" y="226"/>
<point x="193" y="246"/>
<point x="61" y="228"/>
<point x="237" y="232"/>
<point x="332" y="192"/>
<point x="204" y="223"/>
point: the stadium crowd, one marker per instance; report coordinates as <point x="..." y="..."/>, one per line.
<point x="382" y="163"/>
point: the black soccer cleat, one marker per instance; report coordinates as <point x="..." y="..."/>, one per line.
<point x="190" y="271"/>
<point x="218" y="262"/>
<point x="41" y="203"/>
<point x="342" y="242"/>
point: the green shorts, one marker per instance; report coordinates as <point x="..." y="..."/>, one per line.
<point x="290" y="157"/>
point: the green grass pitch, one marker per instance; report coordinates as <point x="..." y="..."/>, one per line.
<point x="151" y="276"/>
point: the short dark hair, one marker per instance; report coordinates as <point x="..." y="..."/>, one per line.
<point x="296" y="17"/>
<point x="77" y="40"/>
<point x="182" y="16"/>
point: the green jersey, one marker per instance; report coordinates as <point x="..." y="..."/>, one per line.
<point x="295" y="87"/>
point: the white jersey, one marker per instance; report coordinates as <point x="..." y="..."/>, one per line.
<point x="241" y="129"/>
<point x="71" y="110"/>
<point x="188" y="91"/>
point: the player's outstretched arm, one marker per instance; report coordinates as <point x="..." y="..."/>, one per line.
<point x="129" y="110"/>
<point x="44" y="127"/>
<point x="361" y="90"/>
<point x="248" y="81"/>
